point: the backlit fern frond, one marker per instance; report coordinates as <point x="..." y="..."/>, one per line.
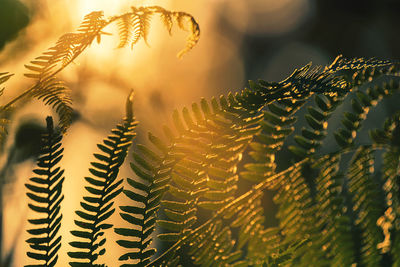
<point x="145" y="194"/>
<point x="208" y="146"/>
<point x="368" y="204"/>
<point x="312" y="137"/>
<point x="132" y="26"/>
<point x="135" y="25"/>
<point x="45" y="193"/>
<point x="390" y="222"/>
<point x="67" y="48"/>
<point x="56" y="94"/>
<point x="361" y="104"/>
<point x="103" y="188"/>
<point x="199" y="159"/>
<point x="342" y="63"/>
<point x="276" y="126"/>
<point x="308" y="201"/>
<point x="237" y="212"/>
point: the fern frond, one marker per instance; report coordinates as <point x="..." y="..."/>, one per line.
<point x="302" y="83"/>
<point x="209" y="149"/>
<point x="103" y="188"/>
<point x="132" y="26"/>
<point x="342" y="63"/>
<point x="242" y="202"/>
<point x="67" y="48"/>
<point x="193" y="28"/>
<point x="56" y="94"/>
<point x="146" y="195"/>
<point x="317" y="120"/>
<point x="368" y="204"/>
<point x="276" y="127"/>
<point x="45" y="193"/>
<point x="207" y="138"/>
<point x="198" y="160"/>
<point x="390" y="221"/>
<point x="136" y="24"/>
<point x="361" y="105"/>
<point x="142" y="23"/>
<point x="125" y="25"/>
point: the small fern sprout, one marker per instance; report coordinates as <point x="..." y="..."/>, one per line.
<point x="45" y="193"/>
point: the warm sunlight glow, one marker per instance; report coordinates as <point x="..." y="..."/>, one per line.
<point x="199" y="133"/>
<point x="103" y="75"/>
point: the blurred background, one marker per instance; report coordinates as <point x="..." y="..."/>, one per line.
<point x="240" y="40"/>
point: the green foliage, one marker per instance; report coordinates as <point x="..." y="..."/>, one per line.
<point x="45" y="191"/>
<point x="326" y="216"/>
<point x="332" y="211"/>
<point x="335" y="208"/>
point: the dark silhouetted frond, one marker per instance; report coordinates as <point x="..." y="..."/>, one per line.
<point x="103" y="188"/>
<point x="45" y="194"/>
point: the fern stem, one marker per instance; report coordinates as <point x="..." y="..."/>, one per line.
<point x="19" y="97"/>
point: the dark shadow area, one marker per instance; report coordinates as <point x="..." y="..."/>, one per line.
<point x="14" y="17"/>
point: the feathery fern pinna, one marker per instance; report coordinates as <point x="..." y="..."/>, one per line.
<point x="45" y="191"/>
<point x="103" y="188"/>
